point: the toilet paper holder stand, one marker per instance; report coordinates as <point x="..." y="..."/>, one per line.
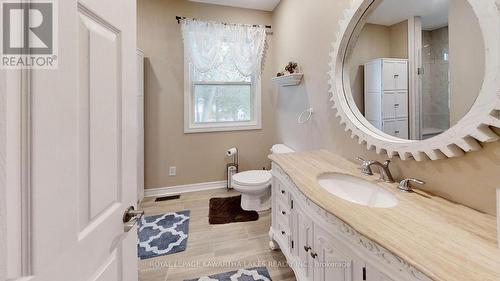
<point x="231" y="169"/>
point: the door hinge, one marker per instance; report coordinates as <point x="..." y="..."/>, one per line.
<point x="292" y="244"/>
<point x="364" y="273"/>
<point x="420" y="71"/>
<point x="292" y="204"/>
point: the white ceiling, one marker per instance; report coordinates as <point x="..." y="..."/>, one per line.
<point x="265" y="5"/>
<point x="434" y="13"/>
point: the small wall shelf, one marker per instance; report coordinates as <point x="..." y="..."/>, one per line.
<point x="288" y="80"/>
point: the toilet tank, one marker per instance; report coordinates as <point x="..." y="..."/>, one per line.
<point x="281" y="148"/>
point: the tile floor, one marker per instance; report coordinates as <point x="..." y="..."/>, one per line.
<point x="213" y="249"/>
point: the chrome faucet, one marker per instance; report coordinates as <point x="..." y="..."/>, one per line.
<point x="404" y="185"/>
<point x="385" y="172"/>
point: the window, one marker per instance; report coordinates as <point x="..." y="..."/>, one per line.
<point x="221" y="100"/>
<point x="222" y="90"/>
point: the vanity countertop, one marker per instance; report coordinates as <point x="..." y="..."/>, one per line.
<point x="444" y="240"/>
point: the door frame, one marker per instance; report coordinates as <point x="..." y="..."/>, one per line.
<point x="16" y="174"/>
<point x="414" y="77"/>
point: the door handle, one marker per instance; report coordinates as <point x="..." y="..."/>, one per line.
<point x="313" y="255"/>
<point x="307" y="248"/>
<point x="131" y="217"/>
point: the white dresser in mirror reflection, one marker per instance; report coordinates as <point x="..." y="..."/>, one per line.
<point x="386" y="95"/>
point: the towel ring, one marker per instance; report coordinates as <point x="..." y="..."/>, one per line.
<point x="305" y="116"/>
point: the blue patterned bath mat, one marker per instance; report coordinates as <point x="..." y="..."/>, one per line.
<point x="163" y="234"/>
<point x="250" y="274"/>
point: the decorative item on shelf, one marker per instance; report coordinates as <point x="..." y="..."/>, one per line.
<point x="290" y="77"/>
<point x="291" y="67"/>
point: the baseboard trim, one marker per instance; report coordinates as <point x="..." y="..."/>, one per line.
<point x="179" y="189"/>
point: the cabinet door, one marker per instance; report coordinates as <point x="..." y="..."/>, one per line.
<point x="396" y="127"/>
<point x="373" y="79"/>
<point x="304" y="242"/>
<point x="330" y="264"/>
<point x="389" y="105"/>
<point x="395" y="75"/>
<point x="389" y="75"/>
<point x="401" y="75"/>
<point x="402" y="128"/>
<point x="373" y="274"/>
<point x="389" y="127"/>
<point x="401" y="104"/>
<point x="373" y="110"/>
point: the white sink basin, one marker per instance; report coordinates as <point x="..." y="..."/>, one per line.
<point x="357" y="190"/>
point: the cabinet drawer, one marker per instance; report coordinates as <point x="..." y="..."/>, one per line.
<point x="284" y="215"/>
<point x="395" y="75"/>
<point x="397" y="128"/>
<point x="282" y="194"/>
<point x="284" y="238"/>
<point x="395" y="105"/>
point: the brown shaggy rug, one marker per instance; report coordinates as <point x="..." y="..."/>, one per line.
<point x="228" y="210"/>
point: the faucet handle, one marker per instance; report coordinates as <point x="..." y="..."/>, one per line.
<point x="404" y="185"/>
<point x="365" y="166"/>
<point x="360" y="159"/>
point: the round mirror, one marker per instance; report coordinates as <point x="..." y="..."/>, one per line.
<point x="414" y="68"/>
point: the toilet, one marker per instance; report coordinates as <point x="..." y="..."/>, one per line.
<point x="255" y="185"/>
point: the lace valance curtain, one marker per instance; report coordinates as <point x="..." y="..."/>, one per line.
<point x="207" y="44"/>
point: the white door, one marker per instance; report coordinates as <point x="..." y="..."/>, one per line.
<point x="83" y="148"/>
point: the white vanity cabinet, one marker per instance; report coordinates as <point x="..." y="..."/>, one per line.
<point x="386" y="95"/>
<point x="320" y="247"/>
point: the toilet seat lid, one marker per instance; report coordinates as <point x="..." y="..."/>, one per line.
<point x="255" y="177"/>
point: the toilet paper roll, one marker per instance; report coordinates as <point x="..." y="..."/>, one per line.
<point x="232" y="151"/>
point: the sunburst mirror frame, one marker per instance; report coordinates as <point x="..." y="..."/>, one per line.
<point x="481" y="124"/>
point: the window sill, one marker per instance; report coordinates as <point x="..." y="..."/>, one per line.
<point x="207" y="128"/>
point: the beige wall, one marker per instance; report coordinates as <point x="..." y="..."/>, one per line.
<point x="466" y="58"/>
<point x="398" y="37"/>
<point x="375" y="41"/>
<point x="198" y="157"/>
<point x="470" y="180"/>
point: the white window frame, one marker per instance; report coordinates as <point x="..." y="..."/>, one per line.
<point x="191" y="127"/>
